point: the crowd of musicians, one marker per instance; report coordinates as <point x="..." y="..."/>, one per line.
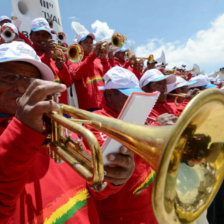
<point x="36" y="189"/>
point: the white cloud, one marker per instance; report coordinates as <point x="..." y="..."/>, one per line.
<point x="102" y="30"/>
<point x="73" y="18"/>
<point x="206" y="48"/>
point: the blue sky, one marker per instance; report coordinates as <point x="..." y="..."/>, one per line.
<point x="189" y="31"/>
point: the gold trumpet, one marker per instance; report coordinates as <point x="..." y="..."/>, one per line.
<point x="62" y="147"/>
<point x="150" y="59"/>
<point x="187" y="157"/>
<point x="117" y="41"/>
<point x="170" y="72"/>
<point x="74" y="52"/>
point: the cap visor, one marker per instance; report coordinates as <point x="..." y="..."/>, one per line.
<point x="41" y="28"/>
<point x="122" y="50"/>
<point x="83" y="38"/>
<point x="159" y="78"/>
<point x="190" y="83"/>
<point x="88" y="35"/>
<point x="129" y="91"/>
<point x="210" y="86"/>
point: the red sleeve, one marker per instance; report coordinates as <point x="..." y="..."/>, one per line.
<point x="181" y="108"/>
<point x="82" y="69"/>
<point x="63" y="74"/>
<point x="126" y="64"/>
<point x="114" y="62"/>
<point x="27" y="41"/>
<point x="111" y="62"/>
<point x="105" y="193"/>
<point x="106" y="65"/>
<point x="46" y="60"/>
<point x="17" y="152"/>
<point x="151" y="119"/>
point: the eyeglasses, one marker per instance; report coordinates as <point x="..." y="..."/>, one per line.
<point x="12" y="78"/>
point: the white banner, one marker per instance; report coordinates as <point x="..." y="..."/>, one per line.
<point x="24" y="11"/>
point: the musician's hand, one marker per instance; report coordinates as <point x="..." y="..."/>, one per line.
<point x="192" y="93"/>
<point x="59" y="62"/>
<point x="32" y="105"/>
<point x="102" y="52"/>
<point x="121" y="166"/>
<point x="133" y="60"/>
<point x="96" y="48"/>
<point x="166" y="119"/>
<point x="110" y="53"/>
<point x="48" y="47"/>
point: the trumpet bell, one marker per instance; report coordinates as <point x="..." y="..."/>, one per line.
<point x="187" y="157"/>
<point x="191" y="168"/>
<point x="118" y="40"/>
<point x="61" y="37"/>
<point x="7" y="34"/>
<point x="75" y="53"/>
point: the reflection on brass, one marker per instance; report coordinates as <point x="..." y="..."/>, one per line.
<point x="182" y="189"/>
<point x="62" y="147"/>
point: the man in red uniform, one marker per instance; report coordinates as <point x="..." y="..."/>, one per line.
<point x="44" y="45"/>
<point x="119" y="58"/>
<point x="153" y="80"/>
<point x="88" y="74"/>
<point x="34" y="189"/>
<point x="132" y="204"/>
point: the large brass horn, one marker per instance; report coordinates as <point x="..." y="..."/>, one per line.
<point x="187" y="157"/>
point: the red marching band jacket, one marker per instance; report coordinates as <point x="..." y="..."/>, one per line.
<point x="34" y="188"/>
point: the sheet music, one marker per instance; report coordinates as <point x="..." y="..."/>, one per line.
<point x="136" y="109"/>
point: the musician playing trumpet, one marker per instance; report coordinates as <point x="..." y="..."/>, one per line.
<point x="132" y="203"/>
<point x="87" y="75"/>
<point x="44" y="46"/>
<point x="33" y="188"/>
